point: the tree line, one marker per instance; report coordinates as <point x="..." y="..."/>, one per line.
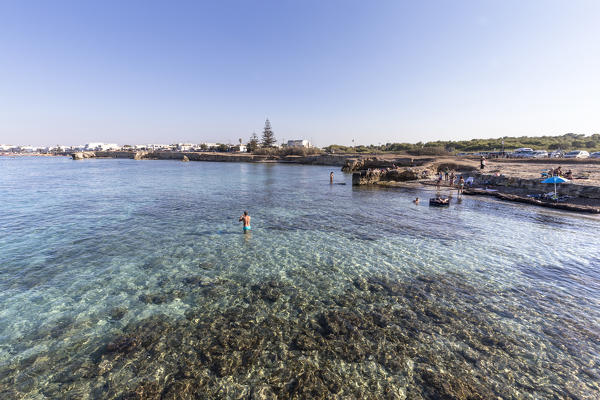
<point x="568" y="141"/>
<point x="268" y="139"/>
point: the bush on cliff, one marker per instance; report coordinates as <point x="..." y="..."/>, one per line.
<point x="429" y="151"/>
<point x="288" y="151"/>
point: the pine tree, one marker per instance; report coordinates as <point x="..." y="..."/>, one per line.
<point x="268" y="137"/>
<point x="253" y="143"/>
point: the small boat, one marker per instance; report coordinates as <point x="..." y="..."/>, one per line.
<point x="439" y="202"/>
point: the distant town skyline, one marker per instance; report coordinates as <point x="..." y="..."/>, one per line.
<point x="330" y="72"/>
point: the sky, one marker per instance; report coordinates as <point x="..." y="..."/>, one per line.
<point x="331" y="71"/>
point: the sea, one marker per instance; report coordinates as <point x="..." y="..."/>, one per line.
<point x="133" y="279"/>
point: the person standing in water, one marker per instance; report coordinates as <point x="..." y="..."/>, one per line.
<point x="246" y="220"/>
<point x="331" y="177"/>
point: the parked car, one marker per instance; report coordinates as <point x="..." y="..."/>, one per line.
<point x="557" y="154"/>
<point x="577" y="154"/>
<point x="595" y="154"/>
<point x="540" y="154"/>
<point x="524" y="152"/>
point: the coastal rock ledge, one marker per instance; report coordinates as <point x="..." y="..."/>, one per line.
<point x="83" y="154"/>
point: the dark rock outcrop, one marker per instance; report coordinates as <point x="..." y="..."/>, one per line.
<point x="394" y="175"/>
<point x="365" y="163"/>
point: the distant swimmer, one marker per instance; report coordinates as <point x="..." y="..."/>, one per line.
<point x="246" y="220"/>
<point x="416" y="201"/>
<point x="331" y="177"/>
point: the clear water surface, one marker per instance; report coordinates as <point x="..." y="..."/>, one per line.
<point x="133" y="279"/>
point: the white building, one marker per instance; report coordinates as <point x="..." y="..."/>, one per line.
<point x="58" y="148"/>
<point x="157" y="147"/>
<point x="185" y="146"/>
<point x="27" y="149"/>
<point x="99" y="146"/>
<point x="299" y="143"/>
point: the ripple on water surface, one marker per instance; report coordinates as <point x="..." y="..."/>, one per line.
<point x="132" y="279"/>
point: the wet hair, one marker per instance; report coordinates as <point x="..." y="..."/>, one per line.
<point x="245" y="212"/>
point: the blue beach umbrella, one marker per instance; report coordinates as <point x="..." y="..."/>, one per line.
<point x="555" y="180"/>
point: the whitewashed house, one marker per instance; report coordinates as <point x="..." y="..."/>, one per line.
<point x="99" y="146"/>
<point x="299" y="143"/>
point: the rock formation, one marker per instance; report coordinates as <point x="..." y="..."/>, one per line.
<point x="83" y="154"/>
<point x="140" y="155"/>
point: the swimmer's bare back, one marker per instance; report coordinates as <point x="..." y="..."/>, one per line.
<point x="246" y="220"/>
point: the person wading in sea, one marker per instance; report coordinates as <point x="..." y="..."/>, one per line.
<point x="246" y="220"/>
<point x="461" y="185"/>
<point x="331" y="177"/>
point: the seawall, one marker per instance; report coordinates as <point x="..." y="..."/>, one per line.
<point x="338" y="160"/>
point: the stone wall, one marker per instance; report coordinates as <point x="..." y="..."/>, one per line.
<point x="319" y="159"/>
<point x="121" y="154"/>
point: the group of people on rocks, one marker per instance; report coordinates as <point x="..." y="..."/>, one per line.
<point x="452" y="179"/>
<point x="558" y="172"/>
<point x="449" y="177"/>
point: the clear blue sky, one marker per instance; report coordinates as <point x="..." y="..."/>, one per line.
<point x="129" y="72"/>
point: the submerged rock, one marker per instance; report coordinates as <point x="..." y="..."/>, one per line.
<point x="122" y="344"/>
<point x="377" y="337"/>
<point x="117" y="313"/>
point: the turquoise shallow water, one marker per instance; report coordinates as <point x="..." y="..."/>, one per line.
<point x="125" y="279"/>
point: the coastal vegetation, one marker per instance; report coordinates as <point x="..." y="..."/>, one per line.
<point x="288" y="151"/>
<point x="252" y="143"/>
<point x="268" y="137"/>
<point x="568" y="141"/>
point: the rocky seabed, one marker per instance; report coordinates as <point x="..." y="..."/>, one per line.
<point x="376" y="338"/>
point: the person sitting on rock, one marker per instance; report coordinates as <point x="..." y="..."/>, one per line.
<point x="557" y="171"/>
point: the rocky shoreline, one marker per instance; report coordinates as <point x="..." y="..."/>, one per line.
<point x="529" y="200"/>
<point x="397" y="170"/>
<point x="580" y="198"/>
